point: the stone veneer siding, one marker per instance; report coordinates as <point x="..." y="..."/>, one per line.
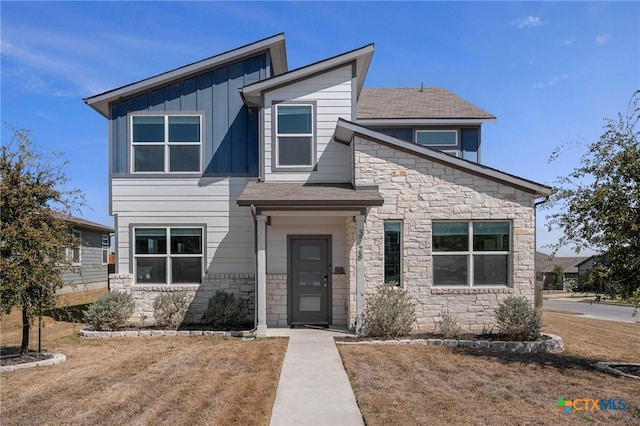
<point x="242" y="285"/>
<point x="277" y="300"/>
<point x="417" y="190"/>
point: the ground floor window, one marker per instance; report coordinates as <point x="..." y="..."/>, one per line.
<point x="471" y="253"/>
<point x="392" y="251"/>
<point x="168" y="255"/>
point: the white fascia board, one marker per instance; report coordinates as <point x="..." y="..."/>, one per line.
<point x="274" y="44"/>
<point x="422" y="121"/>
<point x="252" y="93"/>
<point x="345" y="131"/>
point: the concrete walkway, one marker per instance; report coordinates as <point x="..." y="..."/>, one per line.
<point x="313" y="388"/>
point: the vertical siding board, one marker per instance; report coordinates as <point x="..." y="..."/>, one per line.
<point x="237" y="149"/>
<point x="157" y="99"/>
<point x="205" y="103"/>
<point x="230" y="145"/>
<point x="219" y="162"/>
<point x="172" y="102"/>
<point x="189" y="94"/>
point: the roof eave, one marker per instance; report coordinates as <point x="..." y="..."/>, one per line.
<point x="274" y="44"/>
<point x="252" y="93"/>
<point x="425" y="121"/>
<point x="345" y="130"/>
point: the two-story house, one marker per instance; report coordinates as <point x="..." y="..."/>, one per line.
<point x="301" y="191"/>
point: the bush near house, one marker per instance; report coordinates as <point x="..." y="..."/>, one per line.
<point x="518" y="319"/>
<point x="389" y="312"/>
<point x="110" y="312"/>
<point x="169" y="309"/>
<point x="224" y="310"/>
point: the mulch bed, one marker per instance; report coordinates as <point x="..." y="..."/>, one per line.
<point x="486" y="336"/>
<point x="11" y="356"/>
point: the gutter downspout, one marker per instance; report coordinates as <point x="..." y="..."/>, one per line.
<point x="537" y="298"/>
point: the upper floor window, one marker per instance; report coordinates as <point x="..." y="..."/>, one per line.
<point x="471" y="253"/>
<point x="437" y="137"/>
<point x="166" y="143"/>
<point x="294" y="135"/>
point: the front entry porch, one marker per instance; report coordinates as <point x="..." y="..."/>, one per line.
<point x="309" y="252"/>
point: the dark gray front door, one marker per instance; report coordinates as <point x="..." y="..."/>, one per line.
<point x="309" y="280"/>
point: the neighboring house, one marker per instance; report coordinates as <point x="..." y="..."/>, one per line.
<point x="569" y="266"/>
<point x="301" y="191"/>
<point x="90" y="259"/>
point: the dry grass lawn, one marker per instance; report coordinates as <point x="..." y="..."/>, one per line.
<point x="439" y="385"/>
<point x="177" y="380"/>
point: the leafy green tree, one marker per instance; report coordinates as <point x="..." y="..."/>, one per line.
<point x="556" y="276"/>
<point x="599" y="201"/>
<point x="34" y="233"/>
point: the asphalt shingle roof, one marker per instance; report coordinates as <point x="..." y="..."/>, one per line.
<point x="416" y="103"/>
<point x="303" y="194"/>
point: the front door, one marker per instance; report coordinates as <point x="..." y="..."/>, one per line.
<point x="309" y="279"/>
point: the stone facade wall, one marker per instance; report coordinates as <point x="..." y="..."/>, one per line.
<point x="277" y="300"/>
<point x="241" y="285"/>
<point x="418" y="190"/>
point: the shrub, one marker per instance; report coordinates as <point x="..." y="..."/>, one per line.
<point x="110" y="311"/>
<point x="224" y="310"/>
<point x="169" y="309"/>
<point x="389" y="312"/>
<point x="448" y="325"/>
<point x="518" y="319"/>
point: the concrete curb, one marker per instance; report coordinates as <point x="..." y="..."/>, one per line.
<point x="161" y="333"/>
<point x="55" y="359"/>
<point x="552" y="345"/>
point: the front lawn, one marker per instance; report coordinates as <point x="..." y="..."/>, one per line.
<point x="175" y="380"/>
<point x="441" y="385"/>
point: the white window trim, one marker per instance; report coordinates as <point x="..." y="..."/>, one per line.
<point x="107" y="248"/>
<point x="471" y="253"/>
<point x="168" y="255"/>
<point x="166" y="144"/>
<point x="455" y="132"/>
<point x="277" y="135"/>
<point x="77" y="237"/>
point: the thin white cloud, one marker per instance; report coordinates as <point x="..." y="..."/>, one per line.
<point x="551" y="82"/>
<point x="567" y="41"/>
<point x="527" y="22"/>
<point x="602" y="38"/>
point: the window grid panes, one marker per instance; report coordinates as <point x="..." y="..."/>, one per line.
<point x="471" y="253"/>
<point x="392" y="252"/>
<point x="168" y="255"/>
<point x="294" y="135"/>
<point x="105" y="249"/>
<point x="166" y="143"/>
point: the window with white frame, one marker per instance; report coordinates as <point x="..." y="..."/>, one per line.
<point x="437" y="137"/>
<point x="168" y="255"/>
<point x="74" y="253"/>
<point x="105" y="249"/>
<point x="294" y="145"/>
<point x="471" y="253"/>
<point x="392" y="251"/>
<point x="166" y="143"/>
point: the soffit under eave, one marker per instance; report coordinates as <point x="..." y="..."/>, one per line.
<point x="274" y="45"/>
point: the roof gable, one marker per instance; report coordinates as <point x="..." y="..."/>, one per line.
<point x="275" y="45"/>
<point x="251" y="94"/>
<point x="345" y="130"/>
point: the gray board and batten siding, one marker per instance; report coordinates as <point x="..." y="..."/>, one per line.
<point x="230" y="129"/>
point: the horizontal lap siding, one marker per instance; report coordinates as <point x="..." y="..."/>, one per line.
<point x="210" y="202"/>
<point x="332" y="93"/>
<point x="92" y="270"/>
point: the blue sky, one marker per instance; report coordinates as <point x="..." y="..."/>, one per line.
<point x="550" y="71"/>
